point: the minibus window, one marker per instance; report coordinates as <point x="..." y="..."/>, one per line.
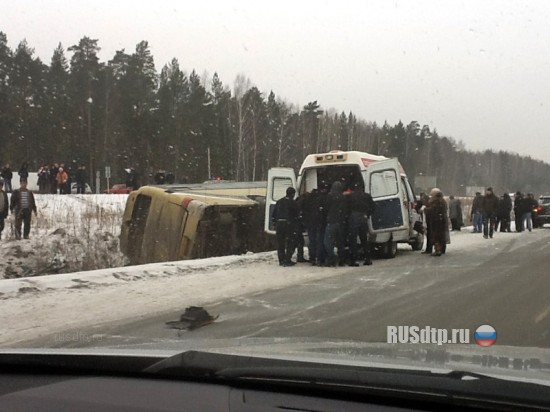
<point x="280" y="185"/>
<point x="383" y="183"/>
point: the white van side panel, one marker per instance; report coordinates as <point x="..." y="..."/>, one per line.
<point x="278" y="180"/>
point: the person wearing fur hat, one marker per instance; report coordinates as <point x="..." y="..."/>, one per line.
<point x="437" y="219"/>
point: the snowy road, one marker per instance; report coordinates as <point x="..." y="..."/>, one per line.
<point x="502" y="281"/>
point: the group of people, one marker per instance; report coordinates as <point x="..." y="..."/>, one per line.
<point x="57" y="178"/>
<point x="333" y="218"/>
<point x="6" y="174"/>
<point x="53" y="178"/>
<point x="337" y="218"/>
<point x="21" y="205"/>
<point x="489" y="212"/>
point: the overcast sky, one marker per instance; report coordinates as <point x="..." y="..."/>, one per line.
<point x="478" y="71"/>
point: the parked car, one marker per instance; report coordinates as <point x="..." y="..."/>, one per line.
<point x="541" y="214"/>
<point x="87" y="189"/>
<point x="120" y="189"/>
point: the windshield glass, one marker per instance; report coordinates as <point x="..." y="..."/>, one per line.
<point x="158" y="189"/>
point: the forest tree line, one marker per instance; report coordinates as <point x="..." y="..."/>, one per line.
<point x="123" y="113"/>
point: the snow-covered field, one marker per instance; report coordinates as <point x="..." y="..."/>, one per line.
<point x="71" y="233"/>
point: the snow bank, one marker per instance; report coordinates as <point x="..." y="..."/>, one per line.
<point x="49" y="305"/>
<point x="70" y="233"/>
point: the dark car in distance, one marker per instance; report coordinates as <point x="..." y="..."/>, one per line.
<point x="541" y="214"/>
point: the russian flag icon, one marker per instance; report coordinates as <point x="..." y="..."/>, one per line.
<point x="485" y="335"/>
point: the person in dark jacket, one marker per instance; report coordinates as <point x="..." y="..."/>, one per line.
<point x="503" y="213"/>
<point x="7" y="175"/>
<point x="518" y="211"/>
<point x="4" y="206"/>
<point x="54" y="169"/>
<point x="361" y="208"/>
<point x="490" y="206"/>
<point x="285" y="219"/>
<point x="22" y="204"/>
<point x="312" y="218"/>
<point x="437" y="220"/>
<point x="81" y="179"/>
<point x="455" y="213"/>
<point x="43" y="179"/>
<point x="476" y="216"/>
<point x="24" y="171"/>
<point x="529" y="203"/>
<point x="321" y="253"/>
<point x="336" y="219"/>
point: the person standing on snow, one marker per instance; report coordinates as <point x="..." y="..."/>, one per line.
<point x="455" y="213"/>
<point x="527" y="216"/>
<point x="311" y="217"/>
<point x="336" y="220"/>
<point x="62" y="179"/>
<point x="285" y="219"/>
<point x="476" y="216"/>
<point x="24" y="171"/>
<point x="361" y="208"/>
<point x="490" y="206"/>
<point x="4" y="206"/>
<point x="438" y="225"/>
<point x="7" y="175"/>
<point x="503" y="213"/>
<point x="22" y="205"/>
<point x="81" y="179"/>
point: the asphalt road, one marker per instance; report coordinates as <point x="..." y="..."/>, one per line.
<point x="505" y="284"/>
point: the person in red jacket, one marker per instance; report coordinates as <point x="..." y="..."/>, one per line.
<point x="62" y="178"/>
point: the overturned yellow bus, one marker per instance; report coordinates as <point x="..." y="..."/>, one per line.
<point x="165" y="223"/>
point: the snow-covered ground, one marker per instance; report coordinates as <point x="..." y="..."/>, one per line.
<point x="70" y="233"/>
<point x="47" y="305"/>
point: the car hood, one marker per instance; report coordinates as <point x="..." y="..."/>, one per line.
<point x="504" y="362"/>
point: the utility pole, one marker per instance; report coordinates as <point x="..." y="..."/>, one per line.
<point x="89" y="102"/>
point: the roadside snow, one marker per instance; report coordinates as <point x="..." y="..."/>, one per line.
<point x="70" y="233"/>
<point x="45" y="305"/>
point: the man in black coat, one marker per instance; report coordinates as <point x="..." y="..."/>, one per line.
<point x="81" y="179"/>
<point x="312" y="218"/>
<point x="489" y="206"/>
<point x="336" y="213"/>
<point x="285" y="219"/>
<point x="361" y="208"/>
<point x="7" y="175"/>
<point x="22" y="204"/>
<point x="519" y="202"/>
<point x="503" y="213"/>
<point x="4" y="206"/>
